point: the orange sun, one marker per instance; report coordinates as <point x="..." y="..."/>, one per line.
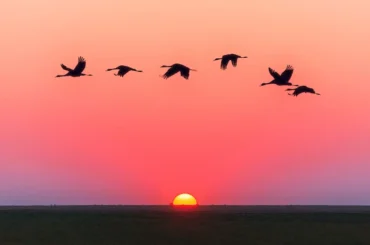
<point x="184" y="199"/>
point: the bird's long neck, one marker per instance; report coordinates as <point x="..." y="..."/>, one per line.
<point x="82" y="74"/>
<point x="192" y="69"/>
<point x="217" y="59"/>
<point x="62" y="75"/>
<point x="111" y="69"/>
<point x="289" y="89"/>
<point x="317" y="93"/>
<point x="164" y="66"/>
<point x="263" y="84"/>
<point x="244" y="57"/>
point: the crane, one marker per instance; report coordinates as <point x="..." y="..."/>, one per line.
<point x="229" y="57"/>
<point x="77" y="71"/>
<point x="175" y="68"/>
<point x="283" y="79"/>
<point x="122" y="70"/>
<point x="301" y="89"/>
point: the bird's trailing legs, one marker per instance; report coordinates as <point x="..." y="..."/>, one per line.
<point x="290" y="89"/>
<point x="111" y="69"/>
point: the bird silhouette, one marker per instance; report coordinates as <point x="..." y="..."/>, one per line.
<point x="77" y="71"/>
<point x="283" y="79"/>
<point x="301" y="89"/>
<point x="175" y="68"/>
<point x="122" y="70"/>
<point x="227" y="57"/>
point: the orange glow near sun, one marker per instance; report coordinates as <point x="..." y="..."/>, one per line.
<point x="184" y="199"/>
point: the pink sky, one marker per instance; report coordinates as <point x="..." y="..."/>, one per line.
<point x="219" y="136"/>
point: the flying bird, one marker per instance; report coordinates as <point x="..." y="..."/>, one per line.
<point x="122" y="70"/>
<point x="283" y="79"/>
<point x="77" y="71"/>
<point x="301" y="89"/>
<point x="227" y="57"/>
<point x="175" y="68"/>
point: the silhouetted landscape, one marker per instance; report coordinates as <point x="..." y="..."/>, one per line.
<point x="113" y="225"/>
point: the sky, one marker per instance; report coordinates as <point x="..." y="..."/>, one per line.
<point x="219" y="136"/>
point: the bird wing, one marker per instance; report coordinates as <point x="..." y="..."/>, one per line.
<point x="310" y="91"/>
<point x="299" y="90"/>
<point x="273" y="73"/>
<point x="65" y="67"/>
<point x="185" y="73"/>
<point x="170" y="72"/>
<point x="224" y="62"/>
<point x="80" y="65"/>
<point x="121" y="72"/>
<point x="234" y="61"/>
<point x="305" y="89"/>
<point x="287" y="74"/>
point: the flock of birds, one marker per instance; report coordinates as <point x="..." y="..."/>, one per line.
<point x="278" y="79"/>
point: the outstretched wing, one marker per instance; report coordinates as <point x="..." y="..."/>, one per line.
<point x="185" y="73"/>
<point x="80" y="65"/>
<point x="299" y="90"/>
<point x="234" y="61"/>
<point x="287" y="74"/>
<point x="122" y="71"/>
<point x="172" y="71"/>
<point x="224" y="62"/>
<point x="274" y="74"/>
<point x="65" y="67"/>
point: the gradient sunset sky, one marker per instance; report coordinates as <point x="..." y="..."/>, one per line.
<point x="219" y="136"/>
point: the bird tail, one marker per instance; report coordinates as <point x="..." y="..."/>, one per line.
<point x="139" y="70"/>
<point x="317" y="93"/>
<point x="193" y="70"/>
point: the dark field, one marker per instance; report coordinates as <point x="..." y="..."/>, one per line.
<point x="126" y="225"/>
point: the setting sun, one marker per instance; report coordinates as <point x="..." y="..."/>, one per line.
<point x="184" y="199"/>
